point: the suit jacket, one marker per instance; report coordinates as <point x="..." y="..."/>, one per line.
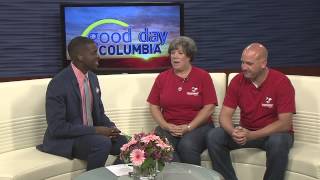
<point x="64" y="113"/>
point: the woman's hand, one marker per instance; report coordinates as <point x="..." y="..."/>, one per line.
<point x="173" y="129"/>
<point x="178" y="130"/>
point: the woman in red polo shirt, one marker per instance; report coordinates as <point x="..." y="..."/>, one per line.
<point x="182" y="101"/>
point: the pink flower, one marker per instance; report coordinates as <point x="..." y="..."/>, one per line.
<point x="132" y="141"/>
<point x="162" y="144"/>
<point x="137" y="157"/>
<point x="125" y="147"/>
<point x="150" y="137"/>
<point x="143" y="146"/>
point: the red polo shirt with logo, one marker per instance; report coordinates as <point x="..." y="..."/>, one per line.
<point x="260" y="106"/>
<point x="182" y="98"/>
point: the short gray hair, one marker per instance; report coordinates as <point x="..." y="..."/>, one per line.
<point x="187" y="45"/>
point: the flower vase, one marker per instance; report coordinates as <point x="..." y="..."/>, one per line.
<point x="149" y="173"/>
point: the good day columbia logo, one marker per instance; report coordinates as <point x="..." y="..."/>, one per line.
<point x="122" y="39"/>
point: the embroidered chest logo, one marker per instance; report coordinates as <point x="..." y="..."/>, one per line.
<point x="194" y="91"/>
<point x="267" y="102"/>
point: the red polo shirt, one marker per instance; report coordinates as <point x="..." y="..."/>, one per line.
<point x="260" y="106"/>
<point x="182" y="99"/>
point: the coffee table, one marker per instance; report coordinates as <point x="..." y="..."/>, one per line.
<point x="172" y="171"/>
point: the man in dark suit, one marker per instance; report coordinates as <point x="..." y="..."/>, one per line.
<point x="77" y="124"/>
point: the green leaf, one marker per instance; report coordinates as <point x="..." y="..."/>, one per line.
<point x="147" y="164"/>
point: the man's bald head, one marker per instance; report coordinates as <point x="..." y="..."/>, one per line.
<point x="254" y="62"/>
<point x="255" y="51"/>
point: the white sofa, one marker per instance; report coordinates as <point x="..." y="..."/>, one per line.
<point x="22" y="125"/>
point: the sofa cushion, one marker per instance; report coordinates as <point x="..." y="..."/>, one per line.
<point x="303" y="158"/>
<point x="31" y="164"/>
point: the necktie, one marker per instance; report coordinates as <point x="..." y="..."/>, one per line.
<point x="87" y="101"/>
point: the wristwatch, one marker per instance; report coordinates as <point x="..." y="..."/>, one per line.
<point x="189" y="127"/>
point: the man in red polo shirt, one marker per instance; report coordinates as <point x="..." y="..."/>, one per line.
<point x="267" y="103"/>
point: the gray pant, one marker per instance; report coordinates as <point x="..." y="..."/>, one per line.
<point x="189" y="147"/>
<point x="277" y="147"/>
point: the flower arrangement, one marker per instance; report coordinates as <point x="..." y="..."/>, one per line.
<point x="147" y="152"/>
